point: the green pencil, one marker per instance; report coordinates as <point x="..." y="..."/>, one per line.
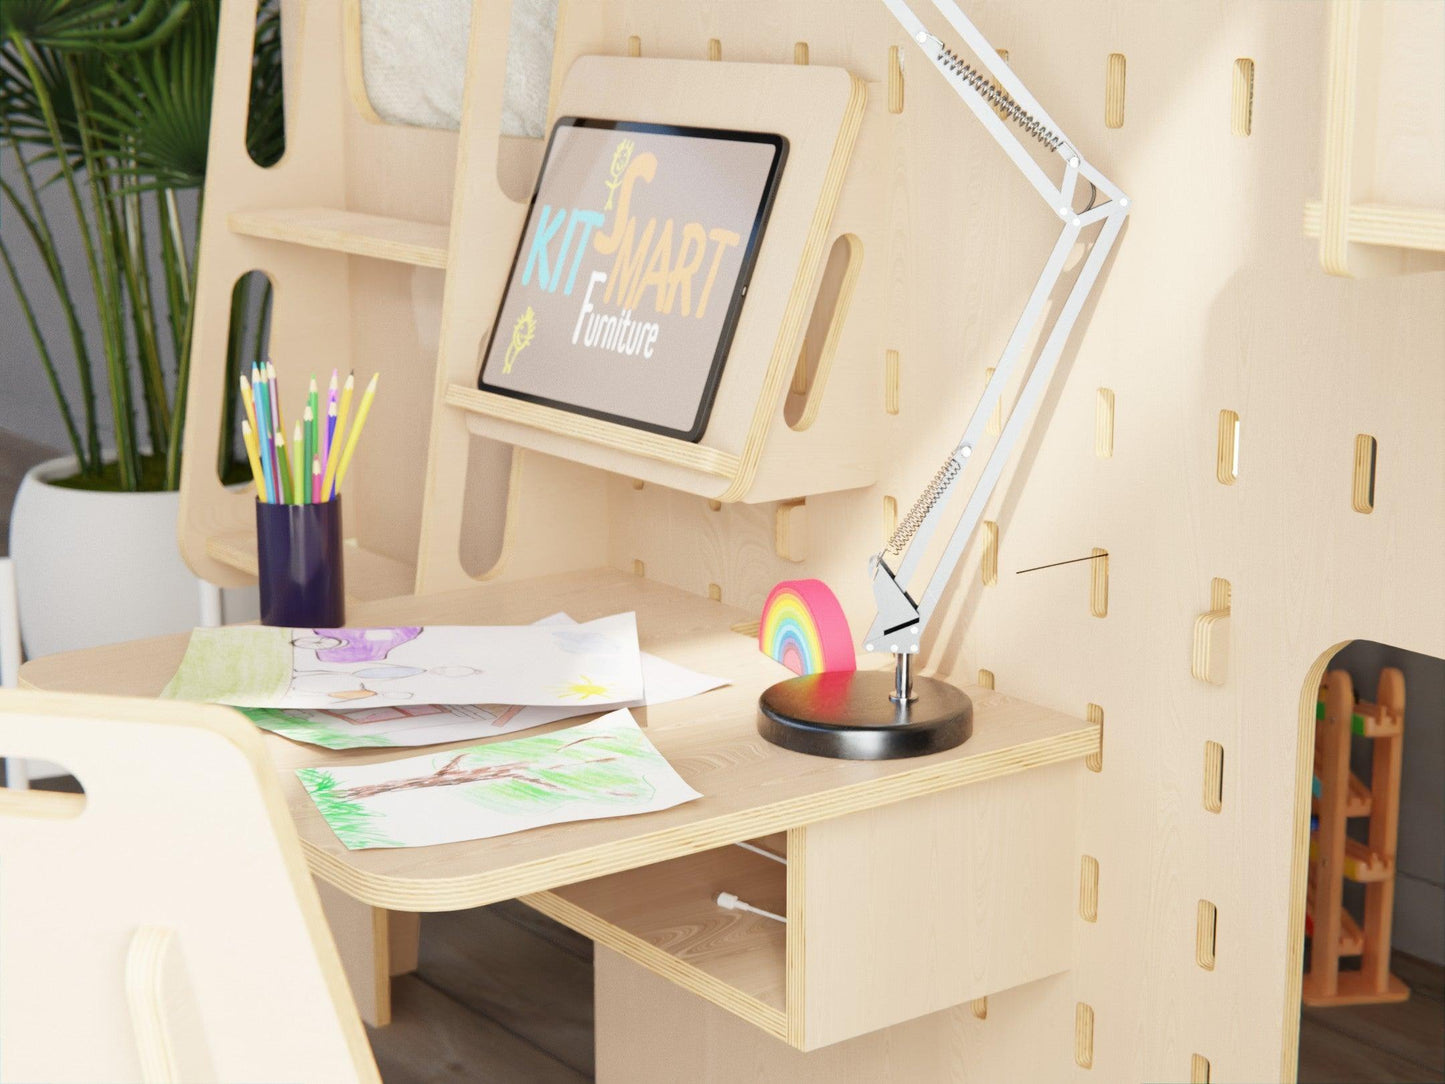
<point x="285" y="471"/>
<point x="308" y="427"/>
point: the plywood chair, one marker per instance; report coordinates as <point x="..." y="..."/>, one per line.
<point x="162" y="926"/>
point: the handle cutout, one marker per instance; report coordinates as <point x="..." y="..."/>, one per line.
<point x="890" y="382"/>
<point x="1241" y="101"/>
<point x="1362" y="497"/>
<point x="1104" y="424"/>
<point x="895" y="80"/>
<point x="1226" y="460"/>
<point x="825" y="328"/>
<point x="800" y="52"/>
<point x="1114" y="91"/>
<point x="988" y="568"/>
<point x="634" y="45"/>
<point x="979" y="1007"/>
<point x="266" y="128"/>
<point x="714" y="592"/>
<point x="1198" y="1069"/>
<point x="714" y="49"/>
<point x="890" y="517"/>
<point x="985" y="679"/>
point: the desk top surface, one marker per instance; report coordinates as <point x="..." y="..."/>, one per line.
<point x="750" y="788"/>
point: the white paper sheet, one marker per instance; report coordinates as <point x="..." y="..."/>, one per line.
<point x="596" y="664"/>
<point x="605" y="768"/>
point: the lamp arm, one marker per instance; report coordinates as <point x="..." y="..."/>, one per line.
<point x="900" y="620"/>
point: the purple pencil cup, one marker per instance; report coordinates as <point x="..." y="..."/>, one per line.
<point x="299" y="564"/>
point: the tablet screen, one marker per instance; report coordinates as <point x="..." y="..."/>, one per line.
<point x="632" y="271"/>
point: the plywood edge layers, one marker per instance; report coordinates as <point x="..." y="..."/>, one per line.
<point x="476" y="890"/>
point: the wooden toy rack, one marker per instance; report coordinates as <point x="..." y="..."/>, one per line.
<point x="1336" y="858"/>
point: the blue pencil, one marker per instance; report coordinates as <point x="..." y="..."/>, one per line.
<point x="265" y="439"/>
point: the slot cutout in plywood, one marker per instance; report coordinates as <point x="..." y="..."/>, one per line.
<point x="994" y="426"/>
<point x="1226" y="459"/>
<point x="249" y="336"/>
<point x="986" y="679"/>
<point x="890" y="382"/>
<point x="1241" y="102"/>
<point x="1099" y="583"/>
<point x="638" y="568"/>
<point x="1104" y="424"/>
<point x="979" y="1007"/>
<point x="1206" y="925"/>
<point x="1213" y="776"/>
<point x="890" y="517"/>
<point x="634" y="45"/>
<point x="1362" y="494"/>
<point x="1209" y="661"/>
<point x="1089" y="888"/>
<point x="790" y="530"/>
<point x="1198" y="1069"/>
<point x="988" y="567"/>
<point x="800" y="52"/>
<point x="895" y="80"/>
<point x="1084" y="1035"/>
<point x="825" y="327"/>
<point x="1095" y="761"/>
<point x="1114" y="91"/>
<point x="714" y="49"/>
<point x="714" y="592"/>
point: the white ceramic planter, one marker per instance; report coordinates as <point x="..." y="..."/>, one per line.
<point x="96" y="568"/>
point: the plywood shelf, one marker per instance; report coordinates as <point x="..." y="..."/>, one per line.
<point x="1419" y="228"/>
<point x="369" y="575"/>
<point x="666" y="918"/>
<point x="421" y="244"/>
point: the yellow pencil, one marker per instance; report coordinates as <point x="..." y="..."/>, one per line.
<point x="249" y="402"/>
<point x="248" y="436"/>
<point x="333" y="457"/>
<point x="361" y="413"/>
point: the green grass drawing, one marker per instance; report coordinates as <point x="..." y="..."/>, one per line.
<point x="315" y="732"/>
<point x="235" y="663"/>
<point x="350" y="820"/>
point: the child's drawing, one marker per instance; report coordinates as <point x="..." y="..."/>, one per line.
<point x="597" y="663"/>
<point x="605" y="768"/>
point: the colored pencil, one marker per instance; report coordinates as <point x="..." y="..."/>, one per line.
<point x="333" y="455"/>
<point x="263" y="441"/>
<point x="308" y="434"/>
<point x="351" y="438"/>
<point x="316" y="480"/>
<point x="248" y="402"/>
<point x="328" y="431"/>
<point x="297" y="466"/>
<point x="248" y="437"/>
<point x="284" y="470"/>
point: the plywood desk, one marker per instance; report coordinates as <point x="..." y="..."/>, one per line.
<point x="750" y="789"/>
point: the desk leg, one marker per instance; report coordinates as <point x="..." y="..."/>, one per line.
<point x="403" y="933"/>
<point x="363" y="936"/>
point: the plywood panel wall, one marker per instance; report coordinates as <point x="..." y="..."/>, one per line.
<point x="1214" y="301"/>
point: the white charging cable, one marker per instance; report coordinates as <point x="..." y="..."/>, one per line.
<point x="730" y="902"/>
<point x="761" y="851"/>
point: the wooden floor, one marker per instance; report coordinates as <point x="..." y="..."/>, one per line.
<point x="1401" y="1044"/>
<point x="503" y="993"/>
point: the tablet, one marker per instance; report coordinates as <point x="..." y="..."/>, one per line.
<point x="632" y="271"/>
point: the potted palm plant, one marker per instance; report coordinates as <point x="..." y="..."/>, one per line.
<point x="108" y="103"/>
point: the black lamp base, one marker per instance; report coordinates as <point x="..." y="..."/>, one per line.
<point x="850" y="716"/>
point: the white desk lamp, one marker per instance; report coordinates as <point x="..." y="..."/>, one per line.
<point x="873" y="714"/>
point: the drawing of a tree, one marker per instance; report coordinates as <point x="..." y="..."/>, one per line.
<point x="351" y="821"/>
<point x="536" y="771"/>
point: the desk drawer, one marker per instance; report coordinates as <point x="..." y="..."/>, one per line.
<point x="893" y="912"/>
